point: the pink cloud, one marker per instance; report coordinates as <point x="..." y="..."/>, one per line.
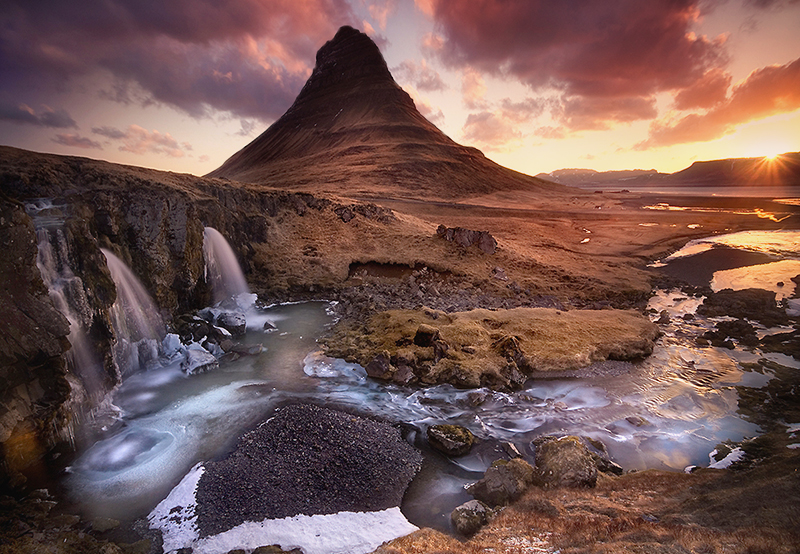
<point x="473" y="89"/>
<point x="76" y="141"/>
<point x="490" y="131"/>
<point x="709" y="90"/>
<point x="624" y="52"/>
<point x="138" y="140"/>
<point x="421" y="75"/>
<point x="768" y="91"/>
<point x="247" y="57"/>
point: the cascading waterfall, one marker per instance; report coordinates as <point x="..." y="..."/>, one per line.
<point x="87" y="377"/>
<point x="137" y="322"/>
<point x="222" y="268"/>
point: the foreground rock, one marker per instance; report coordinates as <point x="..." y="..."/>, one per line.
<point x="503" y="482"/>
<point x="471" y="516"/>
<point x="306" y="460"/>
<point x="481" y="348"/>
<point x="564" y="462"/>
<point x="452" y="440"/>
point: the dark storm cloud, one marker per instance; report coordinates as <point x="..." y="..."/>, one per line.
<point x="249" y="57"/>
<point x="57" y="119"/>
<point x="606" y="59"/>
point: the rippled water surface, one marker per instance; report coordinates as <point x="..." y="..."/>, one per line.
<point x="667" y="412"/>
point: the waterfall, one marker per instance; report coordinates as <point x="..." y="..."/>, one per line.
<point x="137" y="322"/>
<point x="87" y="376"/>
<point x="222" y="268"/>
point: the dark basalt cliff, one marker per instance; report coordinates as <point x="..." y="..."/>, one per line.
<point x="154" y="222"/>
<point x="353" y="130"/>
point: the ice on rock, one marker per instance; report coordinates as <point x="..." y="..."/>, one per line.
<point x="198" y="360"/>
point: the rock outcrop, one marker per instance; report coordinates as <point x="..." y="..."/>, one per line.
<point x="32" y="340"/>
<point x="483" y="348"/>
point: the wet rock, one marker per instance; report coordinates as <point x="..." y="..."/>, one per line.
<point x="275" y="549"/>
<point x="380" y="366"/>
<point x="663" y="318"/>
<point x="564" y="462"/>
<point x="756" y="304"/>
<point x="469" y="517"/>
<point x="32" y="339"/>
<point x="234" y="322"/>
<point x="739" y="329"/>
<point x="102" y="524"/>
<point x="503" y="482"/>
<point x="452" y="440"/>
<point x="198" y="361"/>
<point x="247" y="349"/>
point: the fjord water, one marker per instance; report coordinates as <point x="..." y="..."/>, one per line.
<point x="668" y="411"/>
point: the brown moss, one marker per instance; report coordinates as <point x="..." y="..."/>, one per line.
<point x="495" y="347"/>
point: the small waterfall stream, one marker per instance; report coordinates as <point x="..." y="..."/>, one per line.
<point x="136" y="319"/>
<point x="222" y="268"/>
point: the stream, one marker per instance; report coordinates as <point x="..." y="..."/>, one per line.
<point x="668" y="411"/>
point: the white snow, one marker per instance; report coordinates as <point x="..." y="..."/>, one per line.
<point x="340" y="533"/>
<point x="734" y="456"/>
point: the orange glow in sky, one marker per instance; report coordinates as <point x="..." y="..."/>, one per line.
<point x="536" y="85"/>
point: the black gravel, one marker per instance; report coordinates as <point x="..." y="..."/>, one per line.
<point x="306" y="460"/>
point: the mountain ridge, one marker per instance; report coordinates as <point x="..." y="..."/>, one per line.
<point x="783" y="169"/>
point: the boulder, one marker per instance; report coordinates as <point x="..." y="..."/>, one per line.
<point x="471" y="516"/>
<point x="234" y="322"/>
<point x="503" y="482"/>
<point x="564" y="462"/>
<point x="198" y="360"/>
<point x="452" y="440"/>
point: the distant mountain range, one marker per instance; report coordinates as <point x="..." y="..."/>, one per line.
<point x="783" y="170"/>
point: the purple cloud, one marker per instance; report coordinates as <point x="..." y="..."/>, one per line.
<point x="57" y="119"/>
<point x="76" y="141"/>
<point x="247" y="57"/>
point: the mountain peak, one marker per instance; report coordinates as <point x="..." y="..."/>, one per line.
<point x="349" y="54"/>
<point x="353" y="129"/>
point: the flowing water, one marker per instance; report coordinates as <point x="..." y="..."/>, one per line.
<point x="669" y="411"/>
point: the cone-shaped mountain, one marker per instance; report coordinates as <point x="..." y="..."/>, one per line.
<point x="353" y="130"/>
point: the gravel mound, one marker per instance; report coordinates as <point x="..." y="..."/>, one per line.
<point x="306" y="460"/>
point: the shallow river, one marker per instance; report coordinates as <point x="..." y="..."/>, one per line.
<point x="669" y="411"/>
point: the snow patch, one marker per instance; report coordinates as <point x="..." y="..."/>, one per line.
<point x="340" y="533"/>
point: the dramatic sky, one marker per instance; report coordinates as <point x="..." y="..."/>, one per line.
<point x="537" y="85"/>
